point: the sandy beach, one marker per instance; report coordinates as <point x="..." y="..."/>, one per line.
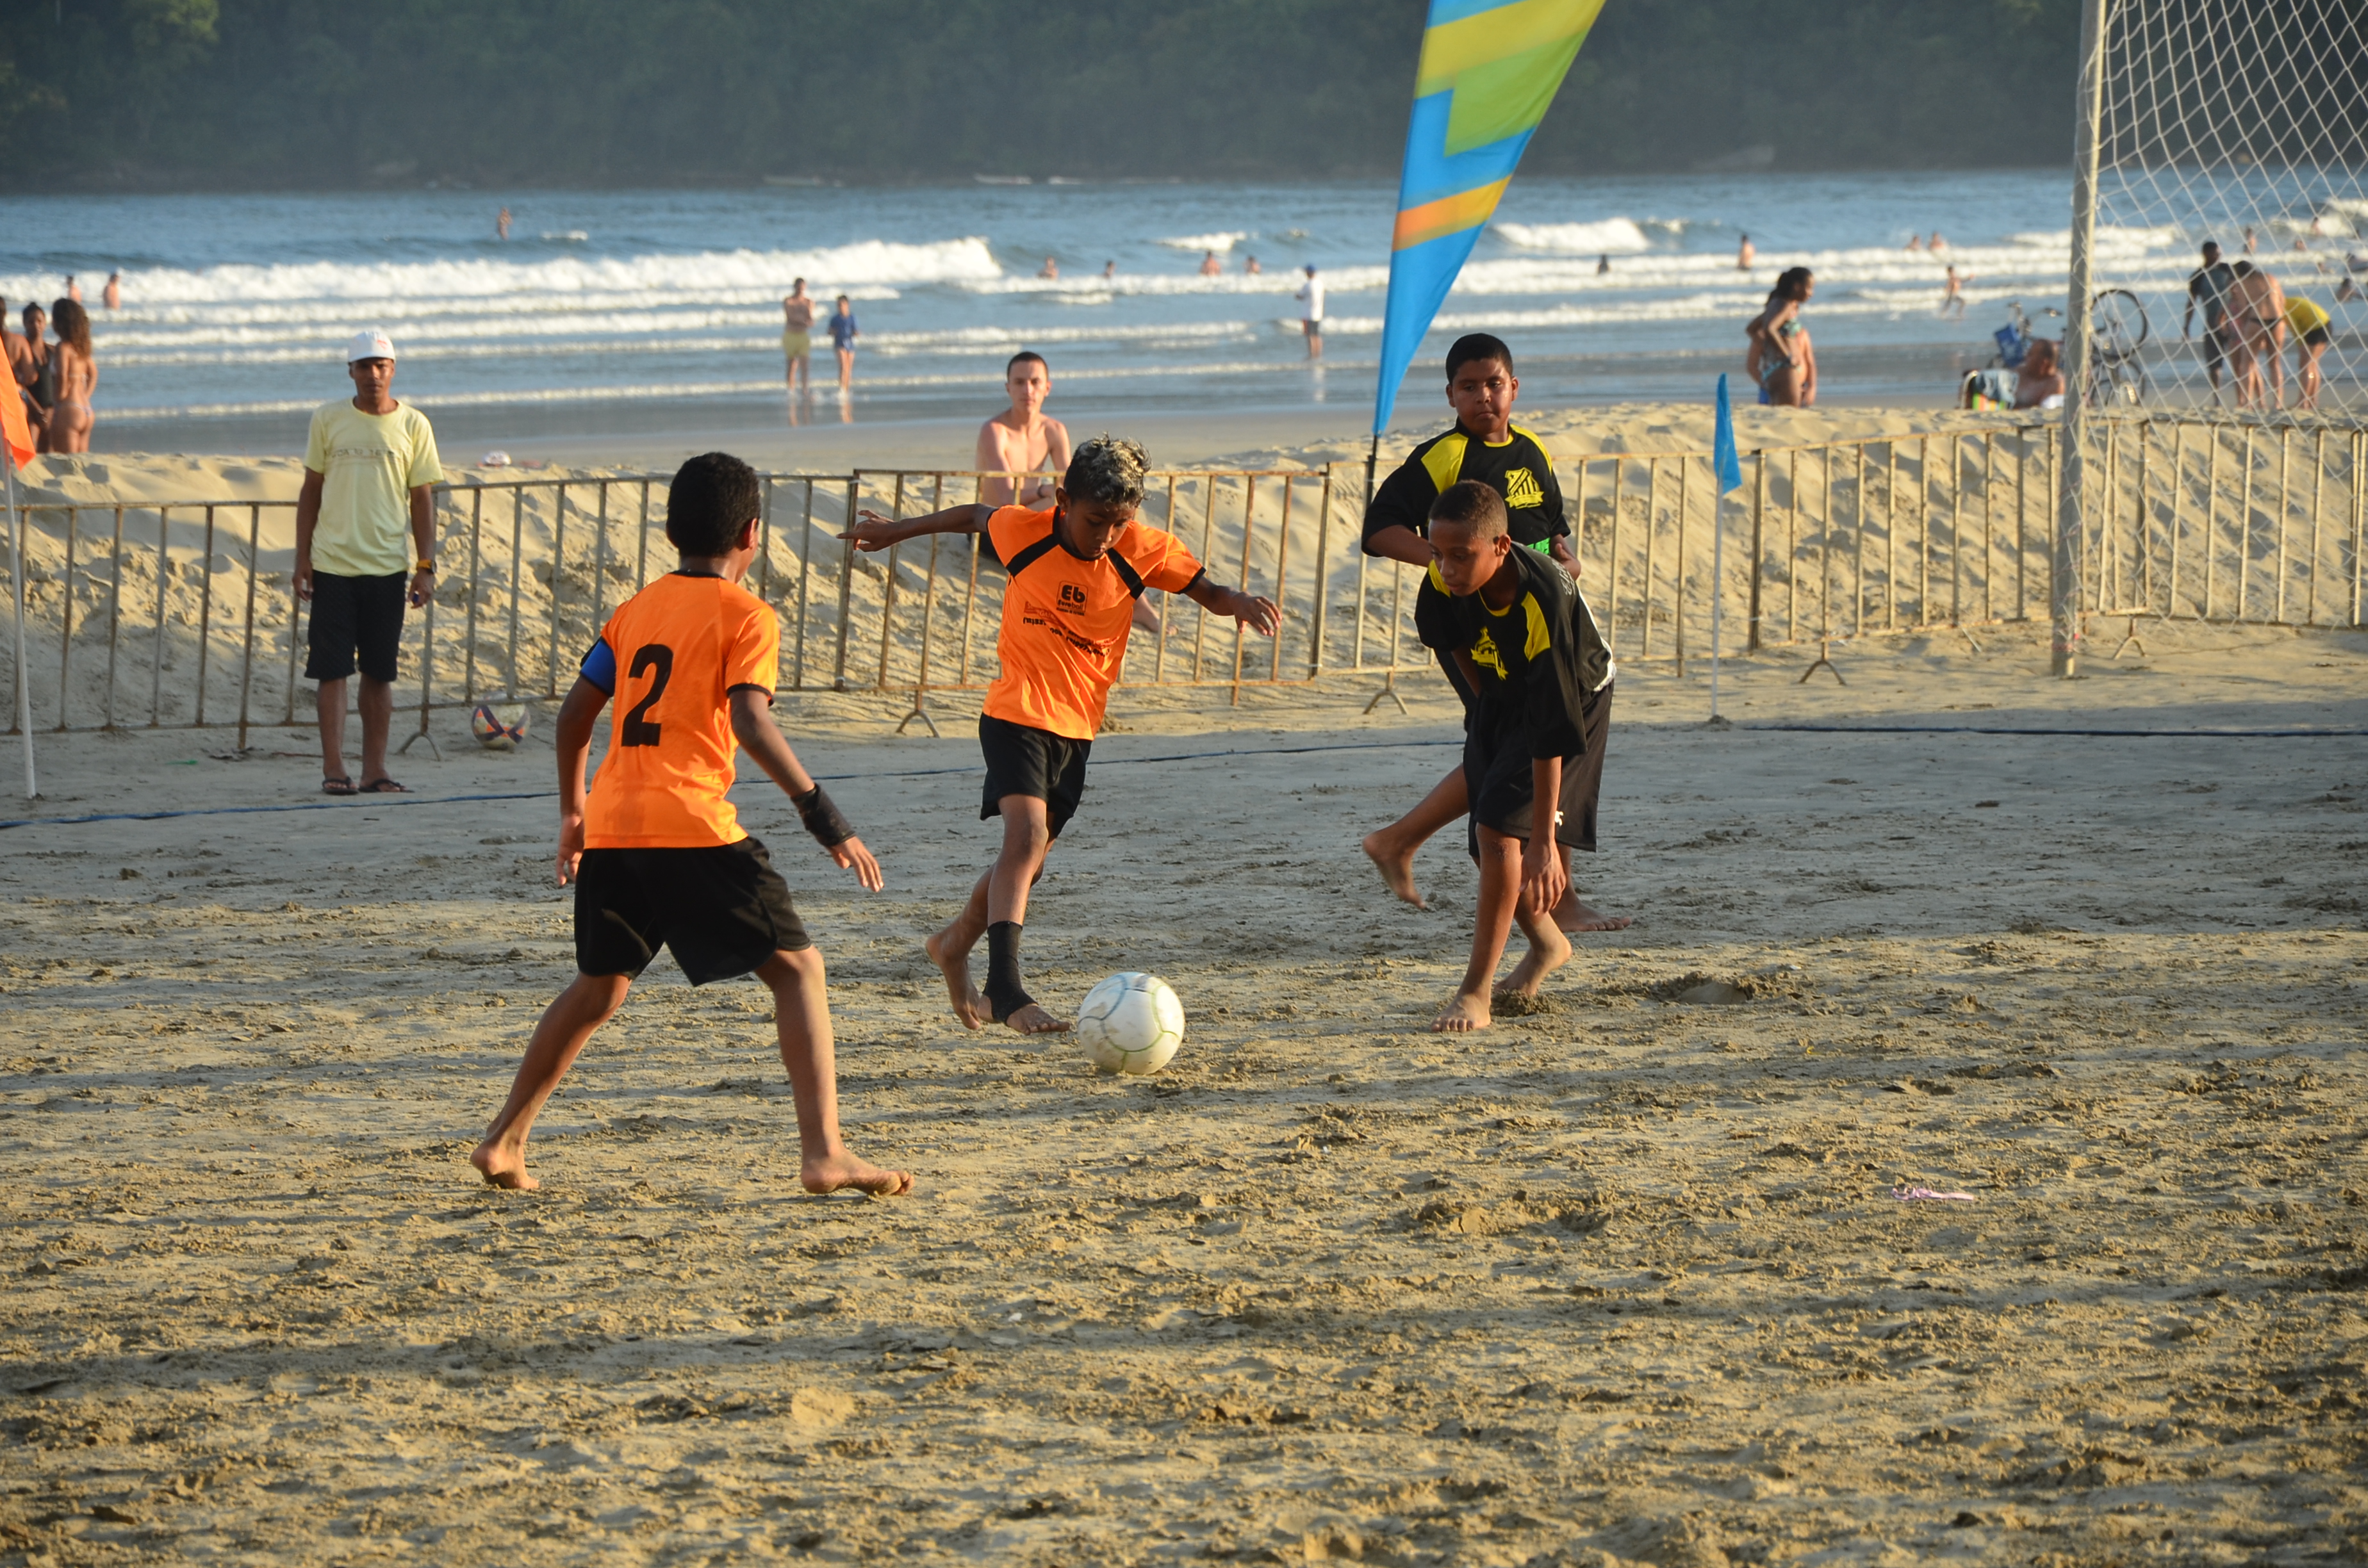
<point x="1956" y="1153"/>
<point x="1627" y="1280"/>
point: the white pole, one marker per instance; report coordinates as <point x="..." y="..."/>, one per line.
<point x="1717" y="588"/>
<point x="17" y="578"/>
<point x="2078" y="355"/>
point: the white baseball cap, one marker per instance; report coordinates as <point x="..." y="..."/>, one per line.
<point x="369" y="344"/>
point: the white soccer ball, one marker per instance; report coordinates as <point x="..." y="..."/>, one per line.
<point x="499" y="728"/>
<point x="1132" y="1023"/>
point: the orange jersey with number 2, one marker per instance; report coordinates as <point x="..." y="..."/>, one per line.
<point x="670" y="658"/>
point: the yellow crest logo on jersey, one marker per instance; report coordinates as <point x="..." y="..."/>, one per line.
<point x="1484" y="653"/>
<point x="1521" y="488"/>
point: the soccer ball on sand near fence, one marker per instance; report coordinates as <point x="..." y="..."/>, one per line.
<point x="1132" y="1023"/>
<point x="499" y="728"/>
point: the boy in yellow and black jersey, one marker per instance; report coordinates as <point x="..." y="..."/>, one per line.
<point x="1484" y="446"/>
<point x="1518" y="629"/>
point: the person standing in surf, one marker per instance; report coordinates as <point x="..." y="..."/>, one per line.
<point x="797" y="336"/>
<point x="843" y="333"/>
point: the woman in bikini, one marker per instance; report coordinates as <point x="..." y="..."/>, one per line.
<point x="69" y="426"/>
<point x="1781" y="358"/>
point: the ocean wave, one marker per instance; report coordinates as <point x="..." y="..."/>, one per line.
<point x="1219" y="243"/>
<point x="869" y="261"/>
<point x="679" y="389"/>
<point x="1617" y="235"/>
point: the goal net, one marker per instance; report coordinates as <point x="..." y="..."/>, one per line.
<point x="2243" y="123"/>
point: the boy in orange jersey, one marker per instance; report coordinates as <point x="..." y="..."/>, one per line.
<point x="1075" y="573"/>
<point x="657" y="854"/>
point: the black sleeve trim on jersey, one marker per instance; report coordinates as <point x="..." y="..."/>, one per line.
<point x="986" y="542"/>
<point x="1401" y="502"/>
<point x="1127" y="574"/>
<point x="751" y="685"/>
<point x="1028" y="555"/>
<point x="1197" y="578"/>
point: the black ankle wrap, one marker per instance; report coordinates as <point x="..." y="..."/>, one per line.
<point x="1005" y="994"/>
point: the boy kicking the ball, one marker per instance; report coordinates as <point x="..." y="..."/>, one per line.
<point x="657" y="854"/>
<point x="1075" y="573"/>
<point x="1525" y="643"/>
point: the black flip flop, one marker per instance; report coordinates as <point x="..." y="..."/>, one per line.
<point x="382" y="787"/>
<point x="339" y="786"/>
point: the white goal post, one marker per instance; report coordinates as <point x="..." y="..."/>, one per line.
<point x="2241" y="122"/>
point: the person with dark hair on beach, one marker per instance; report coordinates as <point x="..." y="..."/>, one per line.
<point x="76" y="377"/>
<point x="37" y="372"/>
<point x="1485" y="446"/>
<point x="1781" y="358"/>
<point x="2040" y="382"/>
<point x="2208" y="286"/>
<point x="112" y="295"/>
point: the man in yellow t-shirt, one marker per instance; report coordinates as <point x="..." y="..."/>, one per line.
<point x="1075" y="573"/>
<point x="2310" y="324"/>
<point x="370" y="472"/>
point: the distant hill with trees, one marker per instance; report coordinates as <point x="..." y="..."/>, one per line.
<point x="246" y="93"/>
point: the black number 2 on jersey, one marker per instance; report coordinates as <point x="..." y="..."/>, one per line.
<point x="638" y="730"/>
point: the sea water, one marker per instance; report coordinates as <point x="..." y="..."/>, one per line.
<point x="668" y="303"/>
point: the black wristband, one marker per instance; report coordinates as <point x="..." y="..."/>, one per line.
<point x="821" y="818"/>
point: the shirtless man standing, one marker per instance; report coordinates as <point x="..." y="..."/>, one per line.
<point x="797" y="334"/>
<point x="1021" y="439"/>
<point x="2257" y="330"/>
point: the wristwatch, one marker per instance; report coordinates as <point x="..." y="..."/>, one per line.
<point x="427" y="566"/>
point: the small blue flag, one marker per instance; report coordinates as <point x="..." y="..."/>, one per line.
<point x="1724" y="461"/>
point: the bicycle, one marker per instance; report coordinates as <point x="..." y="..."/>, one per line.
<point x="2118" y="329"/>
<point x="2014" y="338"/>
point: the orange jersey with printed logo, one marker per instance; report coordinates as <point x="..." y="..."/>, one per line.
<point x="670" y="659"/>
<point x="1065" y="618"/>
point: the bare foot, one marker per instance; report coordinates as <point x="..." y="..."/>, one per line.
<point x="969" y="1006"/>
<point x="1573" y="916"/>
<point x="1032" y="1019"/>
<point x="1539" y="963"/>
<point x="1396" y="865"/>
<point x="1463" y="1015"/>
<point x="843" y="1172"/>
<point x="504" y="1168"/>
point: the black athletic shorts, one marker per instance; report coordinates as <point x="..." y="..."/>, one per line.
<point x="1022" y="760"/>
<point x="354" y="615"/>
<point x="2317" y="338"/>
<point x="721" y="909"/>
<point x="1497" y="770"/>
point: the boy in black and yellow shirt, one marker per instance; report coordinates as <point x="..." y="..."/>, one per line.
<point x="1488" y="447"/>
<point x="1517" y="628"/>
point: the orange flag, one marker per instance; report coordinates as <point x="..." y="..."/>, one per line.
<point x="18" y="434"/>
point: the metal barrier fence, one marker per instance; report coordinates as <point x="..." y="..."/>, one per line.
<point x="179" y="615"/>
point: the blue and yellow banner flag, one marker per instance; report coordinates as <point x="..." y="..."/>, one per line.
<point x="1488" y="71"/>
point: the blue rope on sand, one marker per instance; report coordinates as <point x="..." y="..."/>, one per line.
<point x="554" y="794"/>
<point x="1204" y="755"/>
<point x="2108" y="734"/>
